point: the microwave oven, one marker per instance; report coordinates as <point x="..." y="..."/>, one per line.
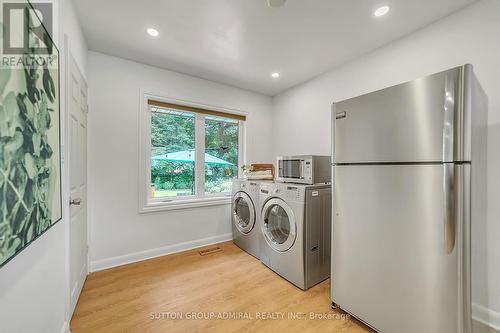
<point x="304" y="169"/>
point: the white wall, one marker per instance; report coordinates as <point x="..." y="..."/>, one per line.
<point x="301" y="116"/>
<point x="118" y="232"/>
<point x="32" y="293"/>
<point x="32" y="296"/>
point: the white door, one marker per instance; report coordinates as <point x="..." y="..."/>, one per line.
<point x="77" y="127"/>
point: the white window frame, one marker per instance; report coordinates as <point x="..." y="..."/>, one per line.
<point x="200" y="198"/>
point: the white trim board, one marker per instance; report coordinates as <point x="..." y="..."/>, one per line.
<point x="65" y="328"/>
<point x="99" y="265"/>
<point x="486" y="316"/>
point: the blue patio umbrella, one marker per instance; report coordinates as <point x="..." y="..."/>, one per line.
<point x="188" y="156"/>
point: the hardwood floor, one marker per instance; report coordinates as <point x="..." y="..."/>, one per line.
<point x="171" y="293"/>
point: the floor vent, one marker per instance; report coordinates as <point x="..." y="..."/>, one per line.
<point x="211" y="250"/>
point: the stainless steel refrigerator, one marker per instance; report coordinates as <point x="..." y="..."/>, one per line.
<point x="409" y="180"/>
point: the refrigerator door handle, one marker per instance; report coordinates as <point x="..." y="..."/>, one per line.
<point x="449" y="188"/>
<point x="462" y="216"/>
<point x="459" y="231"/>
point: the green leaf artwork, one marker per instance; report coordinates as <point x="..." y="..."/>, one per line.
<point x="30" y="164"/>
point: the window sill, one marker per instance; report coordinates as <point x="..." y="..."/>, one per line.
<point x="185" y="203"/>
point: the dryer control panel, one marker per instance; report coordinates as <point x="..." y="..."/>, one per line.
<point x="287" y="192"/>
<point x="291" y="192"/>
<point x="294" y="193"/>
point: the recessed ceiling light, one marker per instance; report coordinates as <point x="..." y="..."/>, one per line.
<point x="381" y="11"/>
<point x="153" y="32"/>
<point x="275" y="3"/>
<point x="275" y="75"/>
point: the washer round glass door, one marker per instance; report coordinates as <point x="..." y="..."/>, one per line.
<point x="278" y="225"/>
<point x="243" y="212"/>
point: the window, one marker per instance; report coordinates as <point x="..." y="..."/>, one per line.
<point x="221" y="153"/>
<point x="172" y="153"/>
<point x="190" y="154"/>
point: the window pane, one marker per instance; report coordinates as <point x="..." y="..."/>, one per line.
<point x="221" y="153"/>
<point x="172" y="153"/>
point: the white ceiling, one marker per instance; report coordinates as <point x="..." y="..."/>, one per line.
<point x="241" y="42"/>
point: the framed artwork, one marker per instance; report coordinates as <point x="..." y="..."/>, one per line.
<point x="30" y="138"/>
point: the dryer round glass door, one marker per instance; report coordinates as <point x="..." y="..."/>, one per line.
<point x="243" y="212"/>
<point x="278" y="225"/>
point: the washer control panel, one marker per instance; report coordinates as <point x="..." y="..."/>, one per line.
<point x="253" y="187"/>
<point x="267" y="189"/>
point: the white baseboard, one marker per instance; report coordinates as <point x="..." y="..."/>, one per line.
<point x="486" y="316"/>
<point x="65" y="328"/>
<point x="98" y="265"/>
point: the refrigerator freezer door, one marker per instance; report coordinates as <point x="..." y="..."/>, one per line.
<point x="393" y="264"/>
<point x="418" y="121"/>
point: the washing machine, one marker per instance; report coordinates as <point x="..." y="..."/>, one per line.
<point x="295" y="225"/>
<point x="244" y="215"/>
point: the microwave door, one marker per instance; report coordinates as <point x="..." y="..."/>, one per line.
<point x="291" y="169"/>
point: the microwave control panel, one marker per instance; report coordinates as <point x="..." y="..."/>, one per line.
<point x="307" y="167"/>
